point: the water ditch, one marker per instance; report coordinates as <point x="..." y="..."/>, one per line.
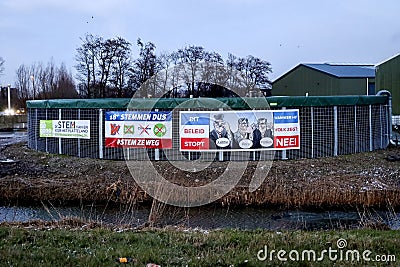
<point x="209" y="217"/>
<point x="15" y="135"/>
<point x="206" y="217"/>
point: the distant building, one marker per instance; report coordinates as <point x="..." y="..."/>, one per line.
<point x="325" y="80"/>
<point x="388" y="78"/>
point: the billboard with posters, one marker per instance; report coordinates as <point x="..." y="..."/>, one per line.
<point x="138" y="129"/>
<point x="239" y="130"/>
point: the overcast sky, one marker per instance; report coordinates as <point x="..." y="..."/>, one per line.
<point x="283" y="32"/>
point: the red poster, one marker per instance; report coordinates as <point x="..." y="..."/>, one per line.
<point x="286" y="141"/>
<point x="194" y="143"/>
<point x="139" y="143"/>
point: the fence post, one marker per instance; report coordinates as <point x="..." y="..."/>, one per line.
<point x="355" y="130"/>
<point x="156" y="151"/>
<point x="370" y="129"/>
<point x="59" y="139"/>
<point x="36" y="129"/>
<point x="284" y="151"/>
<point x="79" y="140"/>
<point x="335" y="130"/>
<point x="380" y="125"/>
<point x="312" y="132"/>
<point x="389" y="120"/>
<point x="47" y="150"/>
<point x="221" y="153"/>
<point x="100" y="133"/>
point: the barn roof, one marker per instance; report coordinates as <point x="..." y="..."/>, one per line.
<point x="345" y="71"/>
<point x="339" y="70"/>
<point x="389" y="59"/>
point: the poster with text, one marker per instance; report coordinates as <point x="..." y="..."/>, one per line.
<point x="239" y="130"/>
<point x="138" y="129"/>
<point x="65" y="128"/>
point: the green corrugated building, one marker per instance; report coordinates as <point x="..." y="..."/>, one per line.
<point x="388" y="78"/>
<point x="326" y="80"/>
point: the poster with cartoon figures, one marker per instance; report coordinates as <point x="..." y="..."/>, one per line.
<point x="138" y="129"/>
<point x="239" y="130"/>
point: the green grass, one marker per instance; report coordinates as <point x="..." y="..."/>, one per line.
<point x="100" y="247"/>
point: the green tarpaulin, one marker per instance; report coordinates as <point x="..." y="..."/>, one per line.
<point x="234" y="103"/>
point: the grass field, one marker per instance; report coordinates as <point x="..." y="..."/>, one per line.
<point x="33" y="245"/>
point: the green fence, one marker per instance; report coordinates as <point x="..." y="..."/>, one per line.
<point x="329" y="126"/>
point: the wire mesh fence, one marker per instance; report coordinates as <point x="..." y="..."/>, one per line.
<point x="396" y="120"/>
<point x="324" y="131"/>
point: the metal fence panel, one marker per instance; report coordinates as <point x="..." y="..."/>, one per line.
<point x="69" y="146"/>
<point x="325" y="131"/>
<point x="362" y="128"/>
<point x="346" y="130"/>
<point x="306" y="139"/>
<point x="50" y="145"/>
<point x="90" y="147"/>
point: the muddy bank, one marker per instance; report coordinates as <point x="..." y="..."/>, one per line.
<point x="359" y="180"/>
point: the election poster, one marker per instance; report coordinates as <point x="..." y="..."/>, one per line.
<point x="239" y="130"/>
<point x="138" y="129"/>
<point x="65" y="128"/>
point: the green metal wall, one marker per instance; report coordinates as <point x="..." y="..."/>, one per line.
<point x="388" y="78"/>
<point x="302" y="80"/>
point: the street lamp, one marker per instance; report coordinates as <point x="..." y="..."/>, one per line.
<point x="9" y="97"/>
<point x="8" y="111"/>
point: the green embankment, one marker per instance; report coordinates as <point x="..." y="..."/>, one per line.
<point x="101" y="247"/>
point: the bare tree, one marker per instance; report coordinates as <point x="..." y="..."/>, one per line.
<point x="105" y="60"/>
<point x="211" y="72"/>
<point x="2" y="61"/>
<point x="254" y="72"/>
<point x="105" y="69"/>
<point x="166" y="74"/>
<point x="37" y="82"/>
<point x="51" y="71"/>
<point x="191" y="56"/>
<point x="65" y="85"/>
<point x="170" y="64"/>
<point x="120" y="67"/>
<point x="87" y="58"/>
<point x="33" y="75"/>
<point x="102" y="65"/>
<point x="23" y="83"/>
<point x="38" y="75"/>
<point x="144" y="67"/>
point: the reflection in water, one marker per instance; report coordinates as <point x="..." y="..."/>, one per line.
<point x="8" y="138"/>
<point x="207" y="217"/>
